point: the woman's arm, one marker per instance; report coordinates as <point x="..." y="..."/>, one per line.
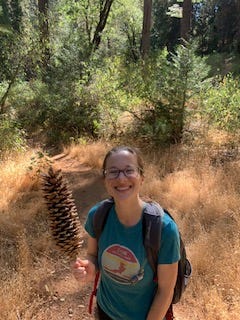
<point x="85" y="270"/>
<point x="167" y="276"/>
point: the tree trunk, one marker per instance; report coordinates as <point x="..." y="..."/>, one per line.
<point x="237" y="37"/>
<point x="104" y="12"/>
<point x="44" y="32"/>
<point x="186" y="20"/>
<point x="146" y="29"/>
<point x="10" y="84"/>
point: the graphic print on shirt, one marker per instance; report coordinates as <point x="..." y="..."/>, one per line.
<point x="120" y="263"/>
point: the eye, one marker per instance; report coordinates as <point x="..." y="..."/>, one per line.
<point x="130" y="171"/>
<point x="113" y="171"/>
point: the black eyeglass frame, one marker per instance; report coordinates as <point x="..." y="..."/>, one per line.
<point x="118" y="171"/>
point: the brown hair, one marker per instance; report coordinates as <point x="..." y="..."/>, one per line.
<point x="131" y="150"/>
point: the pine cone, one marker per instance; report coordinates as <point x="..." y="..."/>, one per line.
<point x="63" y="216"/>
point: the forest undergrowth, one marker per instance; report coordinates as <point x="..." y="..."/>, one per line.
<point x="198" y="184"/>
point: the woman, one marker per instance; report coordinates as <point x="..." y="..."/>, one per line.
<point x="120" y="251"/>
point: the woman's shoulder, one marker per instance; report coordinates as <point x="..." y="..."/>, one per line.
<point x="94" y="208"/>
<point x="89" y="221"/>
<point x="169" y="225"/>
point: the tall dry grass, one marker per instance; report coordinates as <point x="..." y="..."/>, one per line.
<point x="23" y="234"/>
<point x="204" y="199"/>
<point x="90" y="155"/>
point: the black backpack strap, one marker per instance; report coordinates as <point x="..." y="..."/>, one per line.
<point x="152" y="225"/>
<point x="184" y="269"/>
<point x="100" y="216"/>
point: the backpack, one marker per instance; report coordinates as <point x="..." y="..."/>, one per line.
<point x="152" y="220"/>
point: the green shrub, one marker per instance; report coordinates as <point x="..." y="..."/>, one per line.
<point x="101" y="100"/>
<point x="30" y="100"/>
<point x="167" y="85"/>
<point x="224" y="63"/>
<point x="11" y="137"/>
<point x="221" y="104"/>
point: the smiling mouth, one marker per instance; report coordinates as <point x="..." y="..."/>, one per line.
<point x="123" y="188"/>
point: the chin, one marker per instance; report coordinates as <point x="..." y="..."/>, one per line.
<point x="123" y="197"/>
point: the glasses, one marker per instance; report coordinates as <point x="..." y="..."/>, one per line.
<point x="128" y="172"/>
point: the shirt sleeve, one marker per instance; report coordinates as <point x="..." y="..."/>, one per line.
<point x="170" y="242"/>
<point x="89" y="222"/>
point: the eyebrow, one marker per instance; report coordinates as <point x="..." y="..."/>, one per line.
<point x="127" y="166"/>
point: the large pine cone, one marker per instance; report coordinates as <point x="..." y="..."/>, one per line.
<point x="63" y="216"/>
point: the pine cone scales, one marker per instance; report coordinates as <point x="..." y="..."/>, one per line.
<point x="63" y="216"/>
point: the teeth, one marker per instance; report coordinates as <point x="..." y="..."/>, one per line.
<point x="122" y="188"/>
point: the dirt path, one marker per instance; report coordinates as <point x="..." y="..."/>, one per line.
<point x="66" y="298"/>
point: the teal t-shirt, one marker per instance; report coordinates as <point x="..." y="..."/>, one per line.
<point x="121" y="255"/>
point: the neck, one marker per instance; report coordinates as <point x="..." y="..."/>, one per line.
<point x="129" y="212"/>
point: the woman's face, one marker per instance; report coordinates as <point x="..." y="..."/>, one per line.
<point x="123" y="184"/>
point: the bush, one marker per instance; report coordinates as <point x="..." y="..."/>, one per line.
<point x="11" y="137"/>
<point x="106" y="89"/>
<point x="221" y="104"/>
<point x="30" y="100"/>
<point x="168" y="84"/>
<point x="64" y="111"/>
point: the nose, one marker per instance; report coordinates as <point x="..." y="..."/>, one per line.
<point x="121" y="174"/>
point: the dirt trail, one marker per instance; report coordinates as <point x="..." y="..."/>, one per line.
<point x="67" y="298"/>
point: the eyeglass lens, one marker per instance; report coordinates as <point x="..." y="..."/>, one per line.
<point x="128" y="172"/>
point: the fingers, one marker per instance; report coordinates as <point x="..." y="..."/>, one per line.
<point x="80" y="263"/>
<point x="80" y="269"/>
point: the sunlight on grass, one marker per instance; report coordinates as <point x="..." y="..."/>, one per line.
<point x="88" y="154"/>
<point x="15" y="178"/>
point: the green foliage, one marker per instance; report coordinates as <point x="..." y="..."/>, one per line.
<point x="166" y="29"/>
<point x="30" y="101"/>
<point x="168" y="85"/>
<point x="55" y="116"/>
<point x="223" y="63"/>
<point x="221" y="104"/>
<point x="184" y="76"/>
<point x="11" y="137"/>
<point x="80" y="92"/>
<point x="10" y="15"/>
<point x="69" y="119"/>
<point x="3" y="88"/>
<point x="123" y="31"/>
<point x="7" y="44"/>
<point x="216" y="24"/>
<point x="89" y="107"/>
<point x="104" y="97"/>
<point x="10" y="25"/>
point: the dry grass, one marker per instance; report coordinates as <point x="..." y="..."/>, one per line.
<point x="204" y="200"/>
<point x="21" y="226"/>
<point x="13" y="175"/>
<point x="88" y="154"/>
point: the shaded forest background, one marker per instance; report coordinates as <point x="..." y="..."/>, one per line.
<point x="74" y="70"/>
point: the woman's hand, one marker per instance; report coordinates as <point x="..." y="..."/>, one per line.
<point x="84" y="270"/>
